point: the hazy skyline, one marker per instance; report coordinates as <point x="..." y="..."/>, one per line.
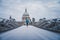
<point x="36" y="8"/>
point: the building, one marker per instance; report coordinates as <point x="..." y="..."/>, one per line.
<point x="11" y="19"/>
<point x="33" y="20"/>
<point x="25" y="15"/>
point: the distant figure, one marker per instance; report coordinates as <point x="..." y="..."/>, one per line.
<point x="27" y="21"/>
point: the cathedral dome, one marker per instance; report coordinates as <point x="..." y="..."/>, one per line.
<point x="25" y="14"/>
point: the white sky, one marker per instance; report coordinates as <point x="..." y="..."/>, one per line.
<point x="36" y="8"/>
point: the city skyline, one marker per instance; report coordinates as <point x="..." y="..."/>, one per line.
<point x="36" y="8"/>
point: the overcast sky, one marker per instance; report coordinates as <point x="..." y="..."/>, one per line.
<point x="36" y="8"/>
